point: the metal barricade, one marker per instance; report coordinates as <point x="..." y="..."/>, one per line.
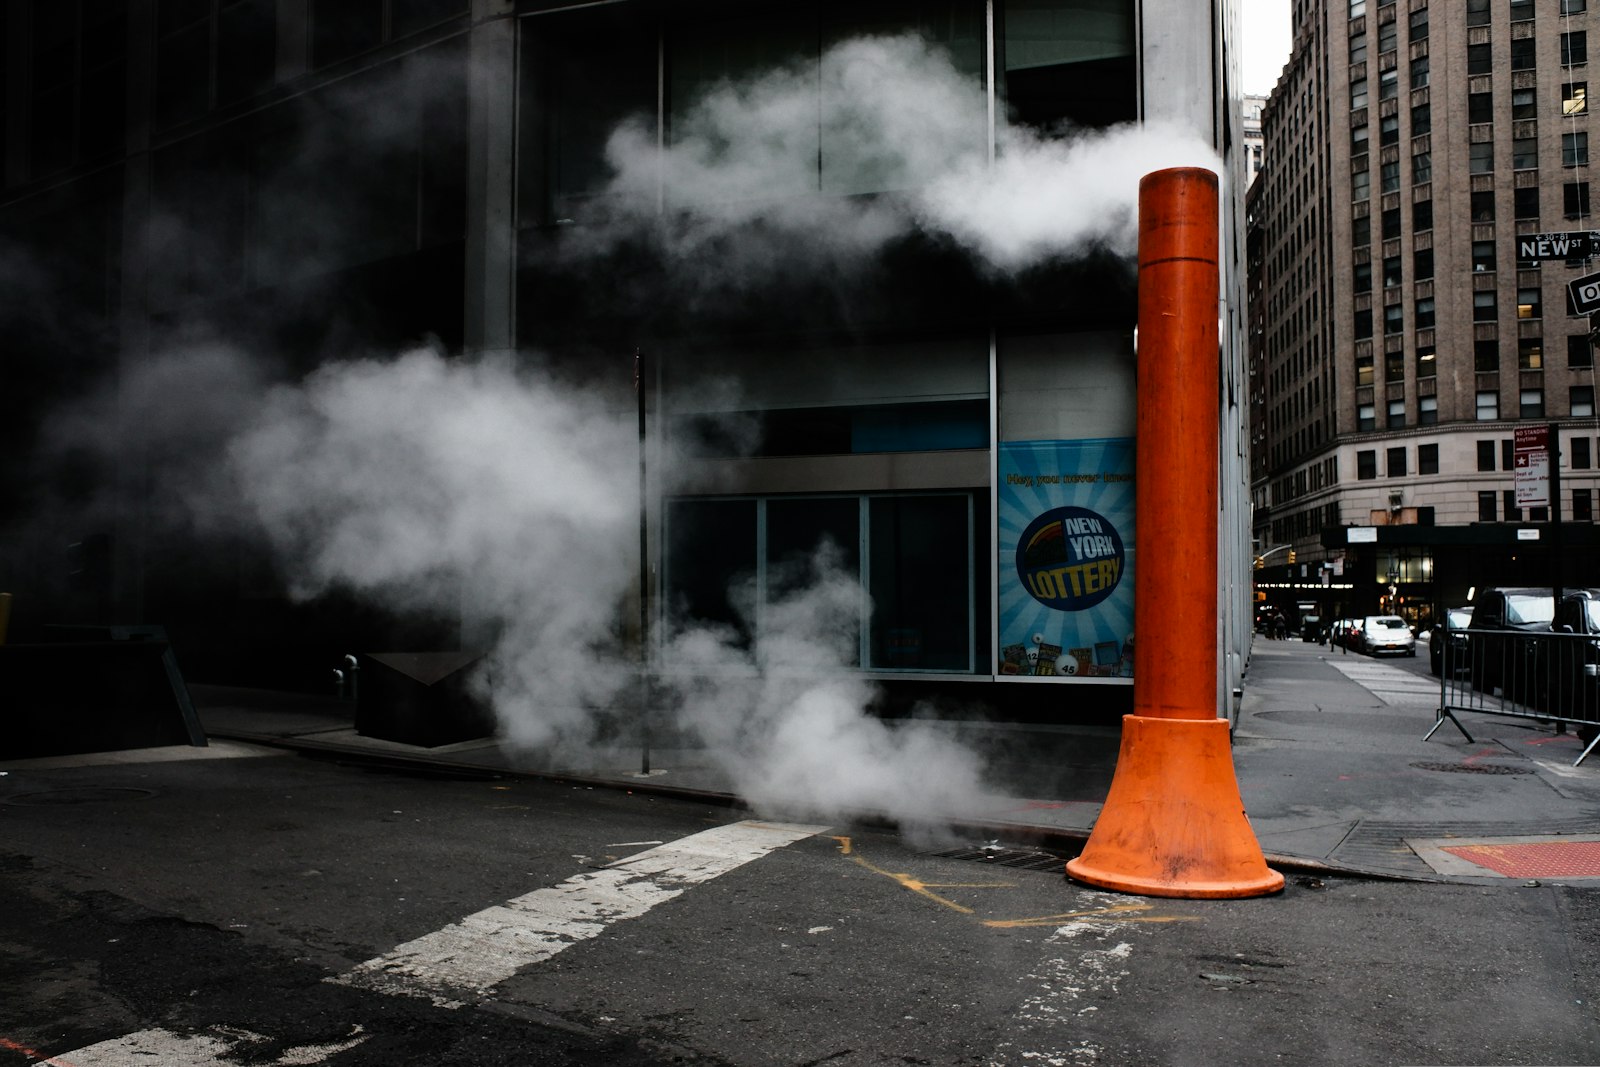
<point x="1551" y="677"/>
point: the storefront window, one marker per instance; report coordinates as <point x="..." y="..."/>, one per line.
<point x="730" y="563"/>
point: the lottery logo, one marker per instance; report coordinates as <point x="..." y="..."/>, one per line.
<point x="1070" y="558"/>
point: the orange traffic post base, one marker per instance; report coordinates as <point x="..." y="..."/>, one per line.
<point x="1173" y="824"/>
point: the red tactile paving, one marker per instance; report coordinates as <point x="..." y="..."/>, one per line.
<point x="1544" y="859"/>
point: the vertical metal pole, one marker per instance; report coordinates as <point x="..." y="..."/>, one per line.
<point x="639" y="371"/>
<point x="1557" y="541"/>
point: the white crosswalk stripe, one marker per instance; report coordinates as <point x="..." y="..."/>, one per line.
<point x="1395" y="686"/>
<point x="485" y="948"/>
<point x="217" y="1047"/>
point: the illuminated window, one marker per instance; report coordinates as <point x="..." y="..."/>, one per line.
<point x="1530" y="353"/>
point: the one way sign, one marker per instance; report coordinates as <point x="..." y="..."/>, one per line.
<point x="1584" y="295"/>
<point x="1570" y="244"/>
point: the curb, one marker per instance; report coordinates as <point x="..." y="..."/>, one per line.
<point x="1066" y="841"/>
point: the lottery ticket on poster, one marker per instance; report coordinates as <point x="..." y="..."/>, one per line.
<point x="1065" y="544"/>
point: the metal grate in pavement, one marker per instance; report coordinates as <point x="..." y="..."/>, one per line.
<point x="1004" y="857"/>
<point x="1393" y="847"/>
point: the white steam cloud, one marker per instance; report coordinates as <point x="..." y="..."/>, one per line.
<point x="885" y="115"/>
<point x="436" y="484"/>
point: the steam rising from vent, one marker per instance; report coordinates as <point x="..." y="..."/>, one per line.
<point x="439" y="485"/>
<point x="784" y="153"/>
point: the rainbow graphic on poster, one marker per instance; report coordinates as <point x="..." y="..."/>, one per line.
<point x="1065" y="559"/>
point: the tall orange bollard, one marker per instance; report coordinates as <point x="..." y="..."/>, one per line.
<point x="1173" y="824"/>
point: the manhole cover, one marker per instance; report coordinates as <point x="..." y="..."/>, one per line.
<point x="83" y="795"/>
<point x="1473" y="768"/>
<point x="1005" y="857"/>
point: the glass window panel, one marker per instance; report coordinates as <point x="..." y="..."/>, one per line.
<point x="1525" y="202"/>
<point x="1575" y="199"/>
<point x="1580" y="353"/>
<point x="1575" y="98"/>
<point x="921" y="582"/>
<point x="1574" y="149"/>
<point x="568" y="114"/>
<point x="1574" y="48"/>
<point x="1522" y="55"/>
<point x="711" y="563"/>
<point x="810" y="536"/>
<point x="1072" y="62"/>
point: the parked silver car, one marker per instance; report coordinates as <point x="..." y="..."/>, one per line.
<point x="1387" y="634"/>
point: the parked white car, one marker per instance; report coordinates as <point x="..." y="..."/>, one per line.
<point x="1389" y="634"/>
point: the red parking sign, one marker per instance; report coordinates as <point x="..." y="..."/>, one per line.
<point x="1531" y="465"/>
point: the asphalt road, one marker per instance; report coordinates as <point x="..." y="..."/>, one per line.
<point x="278" y="909"/>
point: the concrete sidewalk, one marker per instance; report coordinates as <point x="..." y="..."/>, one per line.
<point x="1328" y="750"/>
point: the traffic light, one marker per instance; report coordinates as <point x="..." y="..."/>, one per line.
<point x="1291" y="555"/>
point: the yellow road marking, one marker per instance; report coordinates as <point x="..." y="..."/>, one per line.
<point x="916" y="885"/>
<point x="1130" y="912"/>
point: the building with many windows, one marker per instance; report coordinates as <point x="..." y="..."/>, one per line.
<point x="1402" y="340"/>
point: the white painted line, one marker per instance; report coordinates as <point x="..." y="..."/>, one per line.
<point x="488" y="947"/>
<point x="148" y="1047"/>
<point x="1392" y="685"/>
<point x="164" y="1048"/>
<point x="483" y="949"/>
